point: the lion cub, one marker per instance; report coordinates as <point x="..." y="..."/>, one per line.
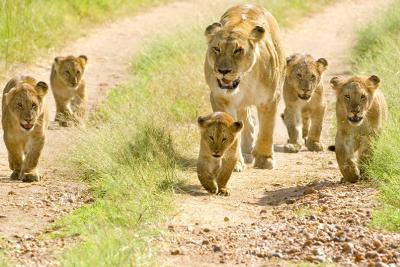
<point x="361" y="111"/>
<point x="24" y="122"/>
<point x="219" y="151"/>
<point x="303" y="93"/>
<point x="69" y="90"/>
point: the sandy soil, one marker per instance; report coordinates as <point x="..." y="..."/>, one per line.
<point x="300" y="211"/>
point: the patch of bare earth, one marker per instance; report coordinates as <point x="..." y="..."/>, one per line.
<point x="27" y="209"/>
<point x="300" y="211"/>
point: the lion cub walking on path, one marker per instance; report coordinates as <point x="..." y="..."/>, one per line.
<point x="69" y="89"/>
<point x="361" y="111"/>
<point x="24" y="122"/>
<point x="303" y="93"/>
<point x="219" y="151"/>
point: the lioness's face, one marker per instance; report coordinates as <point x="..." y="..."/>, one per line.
<point x="218" y="134"/>
<point x="231" y="55"/>
<point x="354" y="96"/>
<point x="25" y="103"/>
<point x="71" y="69"/>
<point x="304" y="74"/>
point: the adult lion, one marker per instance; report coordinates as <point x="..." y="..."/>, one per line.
<point x="245" y="66"/>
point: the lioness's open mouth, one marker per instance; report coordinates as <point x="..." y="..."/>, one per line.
<point x="226" y="84"/>
<point x="355" y="119"/>
<point x="27" y="126"/>
<point x="304" y="97"/>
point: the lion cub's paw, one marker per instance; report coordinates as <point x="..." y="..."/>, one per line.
<point x="314" y="146"/>
<point x="15" y="175"/>
<point x="66" y="123"/>
<point x="248" y="158"/>
<point x="292" y="148"/>
<point x="224" y="192"/>
<point x="30" y="177"/>
<point x="267" y="163"/>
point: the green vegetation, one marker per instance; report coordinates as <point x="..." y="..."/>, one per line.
<point x="135" y="148"/>
<point x="378" y="52"/>
<point x="30" y="27"/>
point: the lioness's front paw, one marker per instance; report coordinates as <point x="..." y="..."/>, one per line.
<point x="292" y="148"/>
<point x="240" y="166"/>
<point x="264" y="163"/>
<point x="224" y="192"/>
<point x="248" y="158"/>
<point x="15" y="175"/>
<point x="30" y="177"/>
<point x="314" y="146"/>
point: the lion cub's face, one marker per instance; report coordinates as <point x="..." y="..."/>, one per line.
<point x="355" y="96"/>
<point x="70" y="69"/>
<point x="304" y="74"/>
<point x="218" y="132"/>
<point x="25" y="103"/>
<point x="231" y="54"/>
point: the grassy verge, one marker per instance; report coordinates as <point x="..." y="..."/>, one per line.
<point x="378" y="52"/>
<point x="133" y="154"/>
<point x="28" y="28"/>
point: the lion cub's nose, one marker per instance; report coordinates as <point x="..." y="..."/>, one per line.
<point x="224" y="71"/>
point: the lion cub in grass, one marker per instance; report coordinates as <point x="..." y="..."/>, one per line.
<point x="69" y="89"/>
<point x="303" y="93"/>
<point x="24" y="123"/>
<point x="219" y="151"/>
<point x="361" y="111"/>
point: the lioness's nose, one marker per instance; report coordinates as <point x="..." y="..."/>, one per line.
<point x="224" y="71"/>
<point x="356" y="110"/>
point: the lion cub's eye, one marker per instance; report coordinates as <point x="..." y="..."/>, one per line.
<point x="223" y="140"/>
<point x="347" y="96"/>
<point x="19" y="105"/>
<point x="211" y="138"/>
<point x="313" y="77"/>
<point x="363" y="97"/>
<point x="238" y="51"/>
<point x="216" y="49"/>
<point x="299" y="76"/>
<point x="34" y="106"/>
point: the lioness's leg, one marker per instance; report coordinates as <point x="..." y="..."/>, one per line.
<point x="364" y="153"/>
<point x="15" y="158"/>
<point x="206" y="176"/>
<point x="317" y="119"/>
<point x="347" y="161"/>
<point x="264" y="150"/>
<point x="248" y="132"/>
<point x="228" y="164"/>
<point x="292" y="119"/>
<point x="29" y="168"/>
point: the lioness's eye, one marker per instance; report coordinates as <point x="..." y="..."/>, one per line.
<point x="363" y="97"/>
<point x="347" y="96"/>
<point x="34" y="106"/>
<point x="238" y="51"/>
<point x="216" y="49"/>
<point x="299" y="76"/>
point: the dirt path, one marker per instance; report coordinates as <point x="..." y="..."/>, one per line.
<point x="27" y="209"/>
<point x="300" y="211"/>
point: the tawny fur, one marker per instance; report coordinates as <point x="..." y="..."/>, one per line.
<point x="246" y="45"/>
<point x="23" y="105"/>
<point x="305" y="103"/>
<point x="357" y="98"/>
<point x="69" y="89"/>
<point x="218" y="151"/>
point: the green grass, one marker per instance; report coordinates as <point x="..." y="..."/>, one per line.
<point x="28" y="28"/>
<point x="378" y="52"/>
<point x="134" y="150"/>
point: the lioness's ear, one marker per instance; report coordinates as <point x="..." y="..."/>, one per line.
<point x="336" y="82"/>
<point x="83" y="59"/>
<point x="237" y="126"/>
<point x="374" y="82"/>
<point x="322" y="64"/>
<point x="212" y="29"/>
<point x="41" y="88"/>
<point x="201" y="121"/>
<point x="257" y="33"/>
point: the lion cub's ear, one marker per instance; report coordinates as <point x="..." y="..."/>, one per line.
<point x="322" y="64"/>
<point x="336" y="83"/>
<point x="212" y="29"/>
<point x="9" y="95"/>
<point x="83" y="59"/>
<point x="290" y="60"/>
<point x="236" y="127"/>
<point x="257" y="33"/>
<point x="201" y="121"/>
<point x="41" y="88"/>
<point x="373" y="82"/>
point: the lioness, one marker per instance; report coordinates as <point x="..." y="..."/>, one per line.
<point x="218" y="151"/>
<point x="244" y="66"/>
<point x="24" y="122"/>
<point x="303" y="93"/>
<point x="69" y="90"/>
<point x="361" y="111"/>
